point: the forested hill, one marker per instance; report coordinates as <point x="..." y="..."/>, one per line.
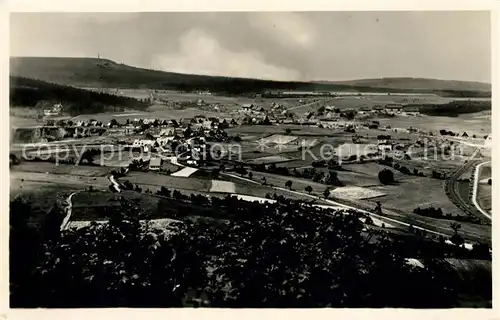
<point x="92" y="72"/>
<point x="30" y="93"/>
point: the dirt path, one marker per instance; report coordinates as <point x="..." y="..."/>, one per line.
<point x="68" y="210"/>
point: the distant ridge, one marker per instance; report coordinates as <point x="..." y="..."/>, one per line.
<point x="415" y="84"/>
<point x="95" y="72"/>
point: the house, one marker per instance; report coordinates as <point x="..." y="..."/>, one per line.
<point x="280" y="118"/>
<point x="55" y="111"/>
<point x="392" y="107"/>
<point x="247" y="107"/>
<point x="155" y="164"/>
<point x="411" y="111"/>
<point x="377" y="108"/>
<point x="207" y="124"/>
<point x="163" y="141"/>
<point x="142" y="143"/>
<point x="166" y="132"/>
<point x="199" y="117"/>
<point x="382" y="141"/>
<point x="185" y="122"/>
<point x="384" y="147"/>
<point x="179" y="132"/>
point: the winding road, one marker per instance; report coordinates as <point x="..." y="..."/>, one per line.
<point x="451" y="189"/>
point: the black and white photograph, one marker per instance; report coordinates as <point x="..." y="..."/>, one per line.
<point x="250" y="159"/>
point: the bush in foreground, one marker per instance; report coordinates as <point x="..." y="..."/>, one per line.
<point x="295" y="256"/>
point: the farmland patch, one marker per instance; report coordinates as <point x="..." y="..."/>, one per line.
<point x="356" y="193"/>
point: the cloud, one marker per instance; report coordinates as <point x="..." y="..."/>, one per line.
<point x="201" y="53"/>
<point x="288" y="28"/>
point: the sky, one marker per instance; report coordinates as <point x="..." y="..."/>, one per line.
<point x="301" y="46"/>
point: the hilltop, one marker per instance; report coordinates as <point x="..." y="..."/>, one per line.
<point x="92" y="72"/>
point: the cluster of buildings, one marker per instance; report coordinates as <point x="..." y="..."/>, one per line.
<point x="390" y="109"/>
<point x="55" y="111"/>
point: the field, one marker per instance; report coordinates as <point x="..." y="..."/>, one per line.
<point x="485" y="172"/>
<point x="484" y="197"/>
<point x="155" y="180"/>
<point x="62" y="169"/>
<point x="417" y="192"/>
<point x="296" y="130"/>
<point x="184" y="172"/>
<point x="356" y="193"/>
<point x="222" y="186"/>
<point x="278" y="139"/>
<point x="471" y="123"/>
<point x="408" y="193"/>
<point x="90" y="206"/>
<point x="269" y="159"/>
<point x="258" y="190"/>
<point x="30" y="180"/>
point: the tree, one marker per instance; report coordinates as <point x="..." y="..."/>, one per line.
<point x="87" y="157"/>
<point x="456" y="238"/>
<point x="215" y="173"/>
<point x="318" y="176"/>
<point x="250" y="175"/>
<point x="288" y="131"/>
<point x="326" y="193"/>
<point x="264" y="181"/>
<point x="113" y="122"/>
<point x="386" y="176"/>
<point x="309" y="189"/>
<point x="241" y="170"/>
<point x="369" y="221"/>
<point x="288" y="184"/>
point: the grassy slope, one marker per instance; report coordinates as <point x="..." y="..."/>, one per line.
<point x="93" y="72"/>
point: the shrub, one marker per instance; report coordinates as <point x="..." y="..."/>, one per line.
<point x="386" y="176"/>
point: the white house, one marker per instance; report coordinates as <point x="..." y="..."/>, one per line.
<point x="384" y="147"/>
<point x="143" y="143"/>
<point x="155" y="164"/>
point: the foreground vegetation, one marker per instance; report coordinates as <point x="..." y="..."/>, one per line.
<point x="292" y="256"/>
